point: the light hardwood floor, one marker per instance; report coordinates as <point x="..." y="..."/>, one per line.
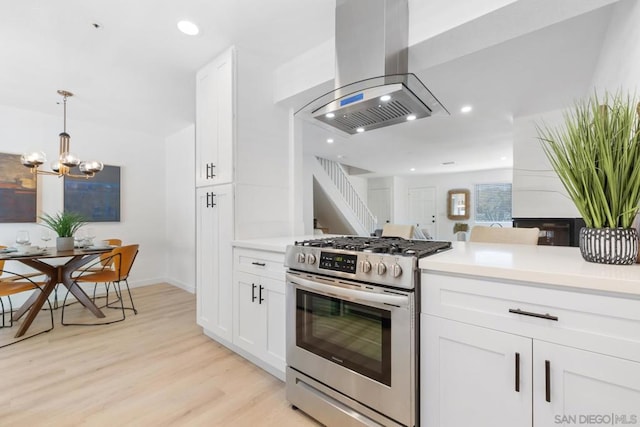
<point x="153" y="369"/>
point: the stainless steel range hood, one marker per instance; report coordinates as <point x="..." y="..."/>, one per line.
<point x="373" y="86"/>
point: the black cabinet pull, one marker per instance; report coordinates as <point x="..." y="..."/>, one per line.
<point x="210" y="199"/>
<point x="547" y="381"/>
<point x="253" y="292"/>
<point x="518" y="372"/>
<point x="261" y="264"/>
<point x="210" y="173"/>
<point x="260" y="293"/>
<point x="529" y="313"/>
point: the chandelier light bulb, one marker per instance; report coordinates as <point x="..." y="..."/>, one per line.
<point x="55" y="166"/>
<point x="33" y="159"/>
<point x="69" y="159"/>
<point x="90" y="167"/>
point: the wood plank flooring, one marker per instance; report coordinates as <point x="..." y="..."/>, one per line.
<point x="153" y="369"/>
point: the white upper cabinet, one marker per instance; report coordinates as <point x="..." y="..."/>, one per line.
<point x="215" y="120"/>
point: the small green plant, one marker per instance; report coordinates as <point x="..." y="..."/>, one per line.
<point x="597" y="157"/>
<point x="65" y="224"/>
<point x="460" y="226"/>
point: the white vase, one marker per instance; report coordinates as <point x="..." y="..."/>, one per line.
<point x="64" y="243"/>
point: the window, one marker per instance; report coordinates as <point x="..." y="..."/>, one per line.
<point x="493" y="202"/>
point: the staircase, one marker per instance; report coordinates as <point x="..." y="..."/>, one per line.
<point x="332" y="174"/>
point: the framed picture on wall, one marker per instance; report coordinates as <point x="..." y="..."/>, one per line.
<point x="97" y="198"/>
<point x="18" y="190"/>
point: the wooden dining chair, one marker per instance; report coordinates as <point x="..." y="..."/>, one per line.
<point x="14" y="283"/>
<point x="522" y="236"/>
<point x="115" y="270"/>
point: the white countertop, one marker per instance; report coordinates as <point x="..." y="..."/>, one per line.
<point x="548" y="265"/>
<point x="275" y="244"/>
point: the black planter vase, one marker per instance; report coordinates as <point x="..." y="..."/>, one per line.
<point x="617" y="246"/>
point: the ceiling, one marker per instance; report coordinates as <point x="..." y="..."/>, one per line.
<point x="540" y="71"/>
<point x="136" y="70"/>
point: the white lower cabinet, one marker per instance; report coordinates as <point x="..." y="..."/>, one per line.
<point x="259" y="312"/>
<point x="499" y="354"/>
<point x="214" y="228"/>
<point x="473" y="376"/>
<point x="583" y="387"/>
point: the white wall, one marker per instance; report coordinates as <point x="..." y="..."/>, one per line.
<point x="619" y="63"/>
<point x="180" y="209"/>
<point x="538" y="191"/>
<point x="442" y="184"/>
<point x="143" y="181"/>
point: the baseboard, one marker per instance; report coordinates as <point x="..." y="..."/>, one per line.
<point x="184" y="286"/>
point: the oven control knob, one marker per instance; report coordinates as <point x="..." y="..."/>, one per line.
<point x="365" y="266"/>
<point x="311" y="259"/>
<point x="301" y="258"/>
<point x="381" y="268"/>
<point x="396" y="270"/>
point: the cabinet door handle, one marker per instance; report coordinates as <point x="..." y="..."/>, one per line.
<point x="532" y="314"/>
<point x="210" y="199"/>
<point x="260" y="294"/>
<point x="261" y="264"/>
<point x="210" y="173"/>
<point x="518" y="372"/>
<point x="253" y="292"/>
<point x="547" y="381"/>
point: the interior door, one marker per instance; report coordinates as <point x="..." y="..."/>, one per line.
<point x="422" y="209"/>
<point x="379" y="201"/>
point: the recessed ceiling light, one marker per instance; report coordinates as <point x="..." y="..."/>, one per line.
<point x="503" y="158"/>
<point x="340" y="156"/>
<point x="412" y="169"/>
<point x="466" y="109"/>
<point x="188" y="27"/>
<point x="385" y="97"/>
<point x="411" y="117"/>
<point x="330" y="141"/>
<point x="360" y="130"/>
<point x="329" y="115"/>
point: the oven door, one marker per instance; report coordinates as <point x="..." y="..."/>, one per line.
<point x="354" y="338"/>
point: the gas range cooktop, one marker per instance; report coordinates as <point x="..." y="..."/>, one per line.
<point x="389" y="261"/>
<point x="379" y="245"/>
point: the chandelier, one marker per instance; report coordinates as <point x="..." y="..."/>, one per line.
<point x="66" y="159"/>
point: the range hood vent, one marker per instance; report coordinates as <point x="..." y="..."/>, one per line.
<point x="372" y="40"/>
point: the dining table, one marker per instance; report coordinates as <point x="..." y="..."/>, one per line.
<point x="54" y="274"/>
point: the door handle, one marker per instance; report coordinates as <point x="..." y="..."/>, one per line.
<point x="518" y="372"/>
<point x="253" y="292"/>
<point x="260" y="294"/>
<point x="547" y="381"/>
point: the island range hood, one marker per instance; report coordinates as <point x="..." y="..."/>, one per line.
<point x="373" y="86"/>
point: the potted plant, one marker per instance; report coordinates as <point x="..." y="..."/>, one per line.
<point x="460" y="230"/>
<point x="65" y="224"/>
<point x="596" y="155"/>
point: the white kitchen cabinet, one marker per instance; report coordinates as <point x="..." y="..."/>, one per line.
<point x="578" y="354"/>
<point x="259" y="318"/>
<point x="583" y="384"/>
<point x="215" y="110"/>
<point x="474" y="376"/>
<point x="214" y="260"/>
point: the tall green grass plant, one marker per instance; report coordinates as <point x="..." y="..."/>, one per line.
<point x="596" y="155"/>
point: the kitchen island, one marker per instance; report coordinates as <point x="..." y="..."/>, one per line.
<point x="515" y="335"/>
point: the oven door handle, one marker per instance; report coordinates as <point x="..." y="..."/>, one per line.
<point x="352" y="294"/>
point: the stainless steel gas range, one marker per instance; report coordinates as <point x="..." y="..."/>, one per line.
<point x="352" y="329"/>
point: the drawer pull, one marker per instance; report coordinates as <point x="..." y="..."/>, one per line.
<point x="518" y="372"/>
<point x="547" y="381"/>
<point x="529" y="313"/>
<point x="261" y="264"/>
